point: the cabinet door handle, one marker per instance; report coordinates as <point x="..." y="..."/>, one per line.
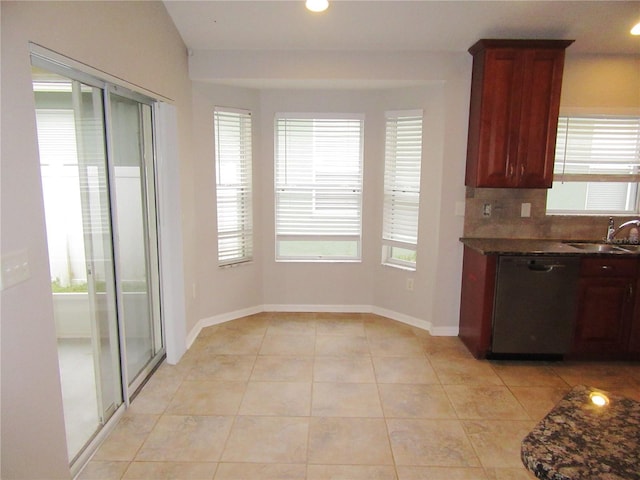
<point x="522" y="169"/>
<point x="511" y="170"/>
<point x="606" y="267"/>
<point x="630" y="291"/>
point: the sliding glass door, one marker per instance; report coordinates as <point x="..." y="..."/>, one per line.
<point x="134" y="201"/>
<point x="96" y="155"/>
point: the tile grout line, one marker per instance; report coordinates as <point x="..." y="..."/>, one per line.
<point x="386" y="423"/>
<point x="309" y="426"/>
<point x="460" y="378"/>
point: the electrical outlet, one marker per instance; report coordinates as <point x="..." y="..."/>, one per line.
<point x="525" y="210"/>
<point x="410" y="284"/>
<point x="486" y="209"/>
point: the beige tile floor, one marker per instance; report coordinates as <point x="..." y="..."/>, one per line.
<point x="342" y="397"/>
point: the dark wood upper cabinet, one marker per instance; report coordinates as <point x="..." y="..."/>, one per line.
<point x="513" y="119"/>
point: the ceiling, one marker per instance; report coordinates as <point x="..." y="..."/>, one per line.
<point x="599" y="27"/>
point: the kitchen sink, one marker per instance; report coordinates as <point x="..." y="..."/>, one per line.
<point x="602" y="247"/>
<point x="630" y="248"/>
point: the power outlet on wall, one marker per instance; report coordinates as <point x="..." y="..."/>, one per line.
<point x="410" y="284"/>
<point x="486" y="210"/>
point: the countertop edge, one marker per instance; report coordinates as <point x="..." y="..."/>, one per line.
<point x="525" y="246"/>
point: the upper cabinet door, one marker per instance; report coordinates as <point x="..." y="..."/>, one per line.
<point x="499" y="117"/>
<point x="539" y="116"/>
<point x="515" y="100"/>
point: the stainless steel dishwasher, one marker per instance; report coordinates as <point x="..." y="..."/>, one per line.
<point x="535" y="305"/>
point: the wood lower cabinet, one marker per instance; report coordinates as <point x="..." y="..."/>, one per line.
<point x="634" y="335"/>
<point x="515" y="100"/>
<point x="604" y="307"/>
<point x="606" y="301"/>
<point x="607" y="323"/>
<point x="476" y="302"/>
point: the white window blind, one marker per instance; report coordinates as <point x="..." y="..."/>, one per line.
<point x="403" y="160"/>
<point x="56" y="137"/>
<point x="597" y="165"/>
<point x="232" y="133"/>
<point x="318" y="187"/>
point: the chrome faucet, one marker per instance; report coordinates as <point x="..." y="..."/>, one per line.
<point x="612" y="232"/>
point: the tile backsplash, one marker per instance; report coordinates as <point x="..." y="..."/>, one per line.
<point x="505" y="220"/>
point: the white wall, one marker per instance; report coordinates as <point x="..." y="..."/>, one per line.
<point x="601" y="84"/>
<point x="137" y="42"/>
<point x="229" y="290"/>
<point x="368" y="83"/>
<point x="325" y="284"/>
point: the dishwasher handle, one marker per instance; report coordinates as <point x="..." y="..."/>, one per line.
<point x="541" y="267"/>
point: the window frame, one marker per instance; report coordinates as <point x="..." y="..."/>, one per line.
<point x="401" y="235"/>
<point x="243" y="189"/>
<point x="353" y="188"/>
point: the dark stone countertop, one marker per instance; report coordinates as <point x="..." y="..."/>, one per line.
<point x="578" y="440"/>
<point x="514" y="246"/>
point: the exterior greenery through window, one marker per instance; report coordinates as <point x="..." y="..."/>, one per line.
<point x="403" y="159"/>
<point x="597" y="166"/>
<point x="232" y="133"/>
<point x="318" y="187"/>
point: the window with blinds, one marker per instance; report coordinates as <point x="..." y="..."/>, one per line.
<point x="232" y="133"/>
<point x="597" y="166"/>
<point x="318" y="187"/>
<point x="403" y="159"/>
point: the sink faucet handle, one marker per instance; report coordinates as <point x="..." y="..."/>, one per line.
<point x="611" y="230"/>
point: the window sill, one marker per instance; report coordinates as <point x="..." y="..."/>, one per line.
<point x="318" y="260"/>
<point x="400" y="267"/>
<point x="236" y="264"/>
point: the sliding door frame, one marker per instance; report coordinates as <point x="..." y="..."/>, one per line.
<point x="76" y="71"/>
<point x="152" y="261"/>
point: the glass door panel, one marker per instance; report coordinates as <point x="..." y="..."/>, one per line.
<point x="73" y="161"/>
<point x="134" y="207"/>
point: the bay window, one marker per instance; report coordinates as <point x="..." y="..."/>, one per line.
<point x="232" y="132"/>
<point x="403" y="159"/>
<point x="318" y="187"/>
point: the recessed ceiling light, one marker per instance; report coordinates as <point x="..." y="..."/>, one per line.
<point x="317" y="5"/>
<point x="599" y="399"/>
<point x="636" y="29"/>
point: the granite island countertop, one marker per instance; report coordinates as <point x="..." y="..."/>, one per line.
<point x="514" y="246"/>
<point x="578" y="440"/>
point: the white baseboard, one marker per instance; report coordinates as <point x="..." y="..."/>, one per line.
<point x="318" y="308"/>
<point x="444" y="331"/>
<point x="400" y="317"/>
<point x="218" y="319"/>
